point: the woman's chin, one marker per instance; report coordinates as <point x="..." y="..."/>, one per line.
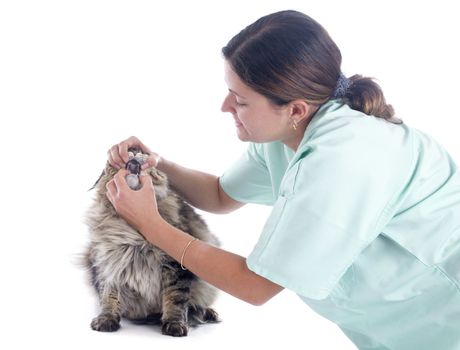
<point x="242" y="135"/>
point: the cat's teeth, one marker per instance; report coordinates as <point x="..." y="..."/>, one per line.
<point x="141" y="158"/>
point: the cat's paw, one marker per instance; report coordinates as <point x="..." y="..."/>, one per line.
<point x="105" y="323"/>
<point x="210" y="316"/>
<point x="175" y="329"/>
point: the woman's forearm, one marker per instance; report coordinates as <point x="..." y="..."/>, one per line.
<point x="224" y="270"/>
<point x="200" y="189"/>
<point x="186" y="183"/>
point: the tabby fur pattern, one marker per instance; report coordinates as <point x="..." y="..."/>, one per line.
<point x="136" y="280"/>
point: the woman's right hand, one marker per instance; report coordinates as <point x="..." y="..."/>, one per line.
<point x="118" y="154"/>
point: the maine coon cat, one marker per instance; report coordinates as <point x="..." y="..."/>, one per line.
<point x="133" y="278"/>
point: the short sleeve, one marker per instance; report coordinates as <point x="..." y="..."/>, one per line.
<point x="248" y="179"/>
<point x="333" y="202"/>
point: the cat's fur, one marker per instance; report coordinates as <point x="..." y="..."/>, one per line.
<point x="138" y="281"/>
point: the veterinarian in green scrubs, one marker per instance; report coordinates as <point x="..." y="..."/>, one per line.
<point x="365" y="225"/>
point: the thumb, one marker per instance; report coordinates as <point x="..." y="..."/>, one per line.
<point x="119" y="178"/>
<point x="146" y="180"/>
<point x="152" y="161"/>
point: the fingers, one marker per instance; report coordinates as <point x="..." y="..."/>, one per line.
<point x="124" y="145"/>
<point x="143" y="147"/>
<point x="114" y="158"/>
<point x="118" y="154"/>
<point x="111" y="191"/>
<point x="146" y="180"/>
<point x="117" y="183"/>
<point x="123" y="152"/>
<point x="119" y="179"/>
<point x="151" y="161"/>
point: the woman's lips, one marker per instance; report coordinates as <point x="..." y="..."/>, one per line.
<point x="238" y="123"/>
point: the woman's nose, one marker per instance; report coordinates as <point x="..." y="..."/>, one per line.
<point x="226" y="105"/>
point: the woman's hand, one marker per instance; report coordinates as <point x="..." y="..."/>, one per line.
<point x="138" y="208"/>
<point x="118" y="154"/>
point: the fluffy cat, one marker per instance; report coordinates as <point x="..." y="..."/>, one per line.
<point x="136" y="280"/>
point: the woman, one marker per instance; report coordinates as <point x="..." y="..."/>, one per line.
<point x="365" y="225"/>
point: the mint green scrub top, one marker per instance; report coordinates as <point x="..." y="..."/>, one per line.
<point x="365" y="227"/>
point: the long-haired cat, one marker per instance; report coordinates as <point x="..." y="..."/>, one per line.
<point x="136" y="280"/>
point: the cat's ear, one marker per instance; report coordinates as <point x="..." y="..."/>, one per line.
<point x="97" y="181"/>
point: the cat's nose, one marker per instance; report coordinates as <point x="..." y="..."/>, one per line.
<point x="134" y="166"/>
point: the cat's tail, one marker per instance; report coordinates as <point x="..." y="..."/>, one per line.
<point x="196" y="315"/>
<point x="199" y="315"/>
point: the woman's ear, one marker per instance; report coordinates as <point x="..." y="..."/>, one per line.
<point x="300" y="111"/>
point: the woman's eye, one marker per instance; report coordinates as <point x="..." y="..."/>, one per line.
<point x="240" y="104"/>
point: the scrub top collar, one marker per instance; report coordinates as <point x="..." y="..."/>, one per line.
<point x="325" y="108"/>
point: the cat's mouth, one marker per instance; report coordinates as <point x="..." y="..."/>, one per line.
<point x="136" y="159"/>
<point x="134" y="166"/>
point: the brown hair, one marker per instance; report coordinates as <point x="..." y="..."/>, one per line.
<point x="287" y="55"/>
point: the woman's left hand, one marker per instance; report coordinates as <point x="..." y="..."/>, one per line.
<point x="138" y="208"/>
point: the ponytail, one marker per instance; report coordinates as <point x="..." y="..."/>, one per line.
<point x="366" y="96"/>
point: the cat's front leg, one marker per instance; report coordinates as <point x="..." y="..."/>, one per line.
<point x="175" y="300"/>
<point x="109" y="318"/>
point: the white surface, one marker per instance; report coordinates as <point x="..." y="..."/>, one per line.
<point x="79" y="76"/>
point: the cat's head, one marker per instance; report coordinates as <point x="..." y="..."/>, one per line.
<point x="136" y="159"/>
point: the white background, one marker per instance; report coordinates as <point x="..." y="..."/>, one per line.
<point x="79" y="76"/>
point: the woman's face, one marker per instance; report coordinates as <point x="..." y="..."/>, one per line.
<point x="256" y="118"/>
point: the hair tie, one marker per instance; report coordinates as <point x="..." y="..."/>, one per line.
<point x="343" y="84"/>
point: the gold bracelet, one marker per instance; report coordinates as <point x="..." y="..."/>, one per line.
<point x="185" y="251"/>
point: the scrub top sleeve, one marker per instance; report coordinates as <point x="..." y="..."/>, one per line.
<point x="248" y="179"/>
<point x="333" y="203"/>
